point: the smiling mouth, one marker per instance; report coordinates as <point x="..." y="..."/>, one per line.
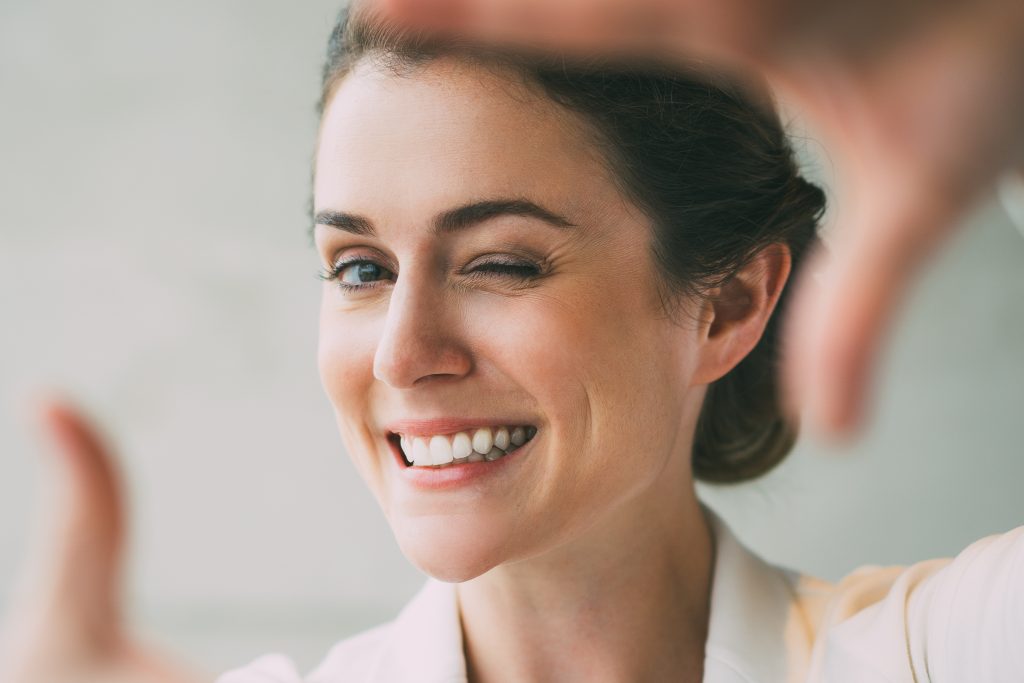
<point x="476" y="445"/>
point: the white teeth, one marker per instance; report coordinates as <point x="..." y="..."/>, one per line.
<point x="461" y="446"/>
<point x="421" y="452"/>
<point x="482" y="441"/>
<point x="501" y="438"/>
<point x="440" y="450"/>
<point x="475" y="445"/>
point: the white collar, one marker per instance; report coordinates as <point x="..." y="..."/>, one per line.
<point x="756" y="630"/>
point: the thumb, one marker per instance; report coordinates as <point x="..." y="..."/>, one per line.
<point x="74" y="577"/>
<point x="845" y="302"/>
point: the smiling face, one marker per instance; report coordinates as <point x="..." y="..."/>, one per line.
<point x="501" y="279"/>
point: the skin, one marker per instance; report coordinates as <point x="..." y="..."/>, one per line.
<point x="67" y="624"/>
<point x="590" y="556"/>
<point x="912" y="149"/>
<point x="919" y="104"/>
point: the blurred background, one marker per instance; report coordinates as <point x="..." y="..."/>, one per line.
<point x="154" y="265"/>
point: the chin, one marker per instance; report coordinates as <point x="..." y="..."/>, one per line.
<point x="449" y="551"/>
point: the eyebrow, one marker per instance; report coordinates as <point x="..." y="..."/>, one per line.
<point x="453" y="220"/>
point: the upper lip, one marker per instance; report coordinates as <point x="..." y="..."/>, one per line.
<point x="448" y="425"/>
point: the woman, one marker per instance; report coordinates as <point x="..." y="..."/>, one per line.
<point x="550" y="303"/>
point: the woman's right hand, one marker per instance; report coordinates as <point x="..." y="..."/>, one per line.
<point x="67" y="623"/>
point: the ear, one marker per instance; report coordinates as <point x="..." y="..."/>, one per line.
<point x="733" y="317"/>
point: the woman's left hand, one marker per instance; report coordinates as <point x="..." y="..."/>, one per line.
<point x="67" y="625"/>
<point x="920" y="105"/>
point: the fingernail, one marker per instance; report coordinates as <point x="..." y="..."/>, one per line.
<point x="46" y="410"/>
<point x="835" y="419"/>
<point x="33" y="409"/>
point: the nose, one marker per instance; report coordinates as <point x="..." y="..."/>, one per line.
<point x="420" y="338"/>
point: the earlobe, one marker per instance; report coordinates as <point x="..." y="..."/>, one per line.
<point x="739" y="311"/>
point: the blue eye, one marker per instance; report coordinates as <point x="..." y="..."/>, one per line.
<point x="352" y="278"/>
<point x="359" y="272"/>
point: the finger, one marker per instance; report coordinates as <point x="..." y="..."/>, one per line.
<point x="904" y="180"/>
<point x="659" y="29"/>
<point x="74" y="584"/>
<point x="839" y="321"/>
<point x="562" y="25"/>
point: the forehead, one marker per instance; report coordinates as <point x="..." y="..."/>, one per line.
<point x="446" y="131"/>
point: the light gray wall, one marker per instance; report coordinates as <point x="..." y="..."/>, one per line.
<point x="154" y="166"/>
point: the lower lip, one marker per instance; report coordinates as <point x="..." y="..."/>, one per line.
<point x="453" y="476"/>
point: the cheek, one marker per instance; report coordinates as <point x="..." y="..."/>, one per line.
<point x="597" y="369"/>
<point x="345" y="357"/>
<point x="345" y="362"/>
<point x="534" y="342"/>
<point x="610" y="373"/>
<point x="567" y="347"/>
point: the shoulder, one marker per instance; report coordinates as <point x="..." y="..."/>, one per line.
<point x="352" y="659"/>
<point x="273" y="668"/>
<point x="941" y="620"/>
<point x="944" y="619"/>
<point x="355" y="658"/>
<point x="423" y="643"/>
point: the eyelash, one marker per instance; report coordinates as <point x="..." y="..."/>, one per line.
<point x="520" y="271"/>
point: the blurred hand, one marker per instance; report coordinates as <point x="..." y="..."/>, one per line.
<point x="68" y="625"/>
<point x="919" y="102"/>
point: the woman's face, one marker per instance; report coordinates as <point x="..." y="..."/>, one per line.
<point x="502" y="281"/>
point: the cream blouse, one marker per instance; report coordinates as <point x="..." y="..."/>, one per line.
<point x="958" y="620"/>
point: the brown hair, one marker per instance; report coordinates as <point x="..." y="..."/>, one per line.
<point x="710" y="166"/>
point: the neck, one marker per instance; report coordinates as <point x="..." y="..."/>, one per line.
<point x="629" y="600"/>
